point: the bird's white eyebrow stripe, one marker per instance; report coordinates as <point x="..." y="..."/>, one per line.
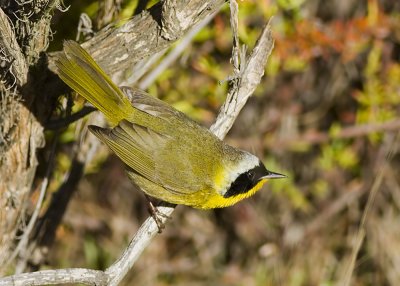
<point x="245" y="164"/>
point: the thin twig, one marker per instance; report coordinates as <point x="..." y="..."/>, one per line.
<point x="249" y="80"/>
<point x="64" y="122"/>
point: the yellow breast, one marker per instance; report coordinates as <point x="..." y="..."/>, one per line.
<point x="216" y="200"/>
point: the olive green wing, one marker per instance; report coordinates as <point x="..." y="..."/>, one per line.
<point x="191" y="166"/>
<point x="157" y="191"/>
<point x="168" y="161"/>
<point x="133" y="144"/>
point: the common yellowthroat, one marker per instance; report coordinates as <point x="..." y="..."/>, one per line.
<point x="167" y="154"/>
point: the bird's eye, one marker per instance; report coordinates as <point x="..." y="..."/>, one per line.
<point x="250" y="174"/>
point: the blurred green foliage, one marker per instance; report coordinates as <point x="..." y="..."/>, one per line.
<point x="380" y="98"/>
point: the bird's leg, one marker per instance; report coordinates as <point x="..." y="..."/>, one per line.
<point x="156" y="214"/>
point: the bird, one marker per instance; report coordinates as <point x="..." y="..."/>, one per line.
<point x="168" y="155"/>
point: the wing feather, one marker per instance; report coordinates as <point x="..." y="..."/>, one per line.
<point x="148" y="153"/>
<point x="134" y="144"/>
<point x="151" y="105"/>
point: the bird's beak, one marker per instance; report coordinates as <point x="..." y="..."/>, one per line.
<point x="272" y="175"/>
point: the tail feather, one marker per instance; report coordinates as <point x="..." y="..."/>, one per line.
<point x="78" y="69"/>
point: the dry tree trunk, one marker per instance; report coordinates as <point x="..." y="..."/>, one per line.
<point x="24" y="34"/>
<point x="29" y="90"/>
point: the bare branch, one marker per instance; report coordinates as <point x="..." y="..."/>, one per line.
<point x="244" y="85"/>
<point x="138" y="244"/>
<point x="60" y="276"/>
<point x="64" y="122"/>
<point x="126" y="45"/>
